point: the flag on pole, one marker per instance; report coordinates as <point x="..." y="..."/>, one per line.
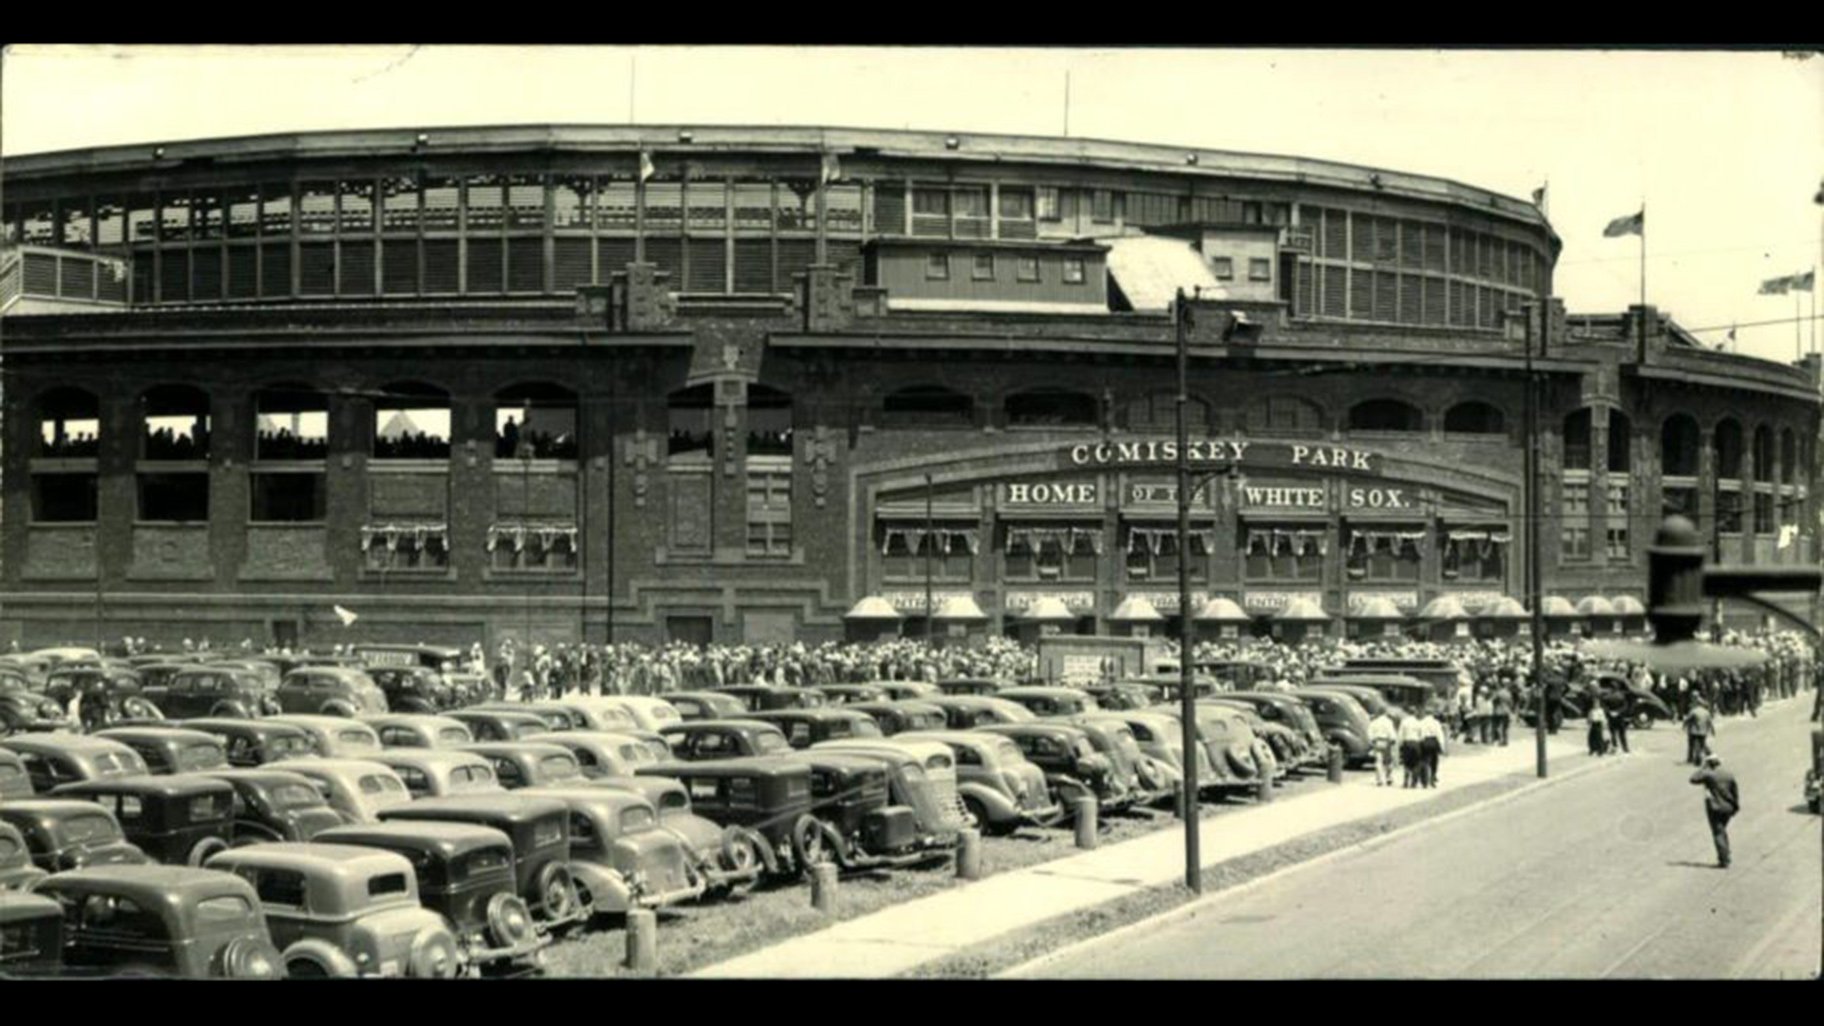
<point x="1803" y="282"/>
<point x="1539" y="196"/>
<point x="345" y="616"/>
<point x="1633" y="224"/>
<point x="646" y="169"/>
<point x="1819" y="198"/>
<point x="832" y="169"/>
<point x="1776" y="286"/>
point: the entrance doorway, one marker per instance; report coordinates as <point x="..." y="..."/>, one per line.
<point x="692" y="630"/>
<point x="284" y="633"/>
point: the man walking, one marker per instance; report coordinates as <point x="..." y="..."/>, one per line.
<point x="1504" y="712"/>
<point x="1431" y="746"/>
<point x="1411" y="734"/>
<point x="1721" y="802"/>
<point x="1618" y="724"/>
<point x="1382" y="737"/>
<point x="1700" y="726"/>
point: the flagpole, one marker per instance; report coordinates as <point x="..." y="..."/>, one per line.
<point x="1643" y="274"/>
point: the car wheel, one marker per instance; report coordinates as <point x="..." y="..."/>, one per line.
<point x="557" y="892"/>
<point x="739" y="855"/>
<point x="978" y="814"/>
<point x="205" y="848"/>
<point x="808" y="842"/>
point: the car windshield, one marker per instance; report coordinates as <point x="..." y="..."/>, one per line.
<point x="475" y="777"/>
<point x="358" y="739"/>
<point x="485" y="860"/>
<point x="88" y="830"/>
<point x="374" y="783"/>
<point x="673" y="801"/>
<point x="559" y="767"/>
<point x="767" y="743"/>
<point x="455" y="735"/>
<point x="525" y="730"/>
<point x="294" y="796"/>
<point x="200" y="757"/>
<point x="119" y="763"/>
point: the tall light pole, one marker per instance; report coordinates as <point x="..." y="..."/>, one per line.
<point x="930" y="544"/>
<point x="1534" y="512"/>
<point x="1187" y="706"/>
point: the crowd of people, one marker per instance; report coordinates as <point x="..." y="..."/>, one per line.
<point x="166" y="444"/>
<point x="81" y="445"/>
<point x="412" y="445"/>
<point x="514" y="443"/>
<point x="285" y="445"/>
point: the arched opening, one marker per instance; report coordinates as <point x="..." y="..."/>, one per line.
<point x="536" y="421"/>
<point x="412" y="422"/>
<point x="1728" y="445"/>
<point x="1050" y="407"/>
<point x="1285" y="415"/>
<point x="769" y="421"/>
<point x="69" y="424"/>
<point x="927" y="406"/>
<point x="1789" y="456"/>
<point x="1678" y="446"/>
<point x="1621" y="437"/>
<point x="1760" y="456"/>
<point x="291" y="423"/>
<point x="1762" y="452"/>
<point x="690" y="429"/>
<point x="1385" y="415"/>
<point x="1475" y="418"/>
<point x="1577" y="440"/>
<point x="174" y="423"/>
<point x="1159" y="412"/>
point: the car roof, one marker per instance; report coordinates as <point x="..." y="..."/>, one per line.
<point x="335" y="767"/>
<point x="967" y="738"/>
<point x="503" y="715"/>
<point x="228" y="724"/>
<point x="427" y="757"/>
<point x="442" y="836"/>
<point x="18" y="906"/>
<point x="752" y="765"/>
<point x="535" y="748"/>
<point x="343" y="860"/>
<point x="309" y="720"/>
<point x="1030" y="727"/>
<point x="267" y="776"/>
<point x="588" y="796"/>
<point x="838" y="759"/>
<point x="160" y="734"/>
<point x="331" y="669"/>
<point x="152" y="885"/>
<point x="513" y="806"/>
<point x="59" y="741"/>
<point x="564" y="738"/>
<point x="40" y="809"/>
<point x="742" y="723"/>
<point x="411" y="720"/>
<point x="819" y="713"/>
<point x="696" y="694"/>
<point x="1039" y="691"/>
<point x="175" y="785"/>
<point x="911" y="749"/>
<point x="898" y="705"/>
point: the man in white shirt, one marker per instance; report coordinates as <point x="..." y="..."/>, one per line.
<point x="1431" y="745"/>
<point x="1411" y="736"/>
<point x="1382" y="738"/>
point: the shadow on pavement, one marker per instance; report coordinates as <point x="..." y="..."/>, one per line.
<point x="1694" y="865"/>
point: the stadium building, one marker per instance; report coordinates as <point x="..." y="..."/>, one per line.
<point x="643" y="383"/>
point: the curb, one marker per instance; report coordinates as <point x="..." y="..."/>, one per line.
<point x="1191" y="908"/>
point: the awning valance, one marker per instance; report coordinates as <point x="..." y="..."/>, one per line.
<point x="390" y="535"/>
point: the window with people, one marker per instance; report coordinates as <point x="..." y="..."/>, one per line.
<point x="69" y="424"/>
<point x="1051" y="551"/>
<point x="175" y="423"/>
<point x="690" y="424"/>
<point x="291" y="423"/>
<point x="535" y="421"/>
<point x="769" y="421"/>
<point x="411" y="422"/>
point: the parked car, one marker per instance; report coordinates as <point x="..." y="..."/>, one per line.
<point x="250" y="743"/>
<point x="171" y="749"/>
<point x="761" y="697"/>
<point x="1234" y="756"/>
<point x="31" y="933"/>
<point x="17" y="873"/>
<point x="109" y="692"/>
<point x="922" y="778"/>
<point x="579" y="715"/>
<point x="273" y="804"/>
<point x="696" y="740"/>
<point x="621" y="857"/>
<point x="176" y="820"/>
<point x="1001" y="789"/>
<point x="1400" y="692"/>
<point x="1162" y="738"/>
<point x="499" y="724"/>
<point x="645" y="711"/>
<point x="705" y="705"/>
<point x="767" y="797"/>
<point x="857" y="821"/>
<point x="970" y="686"/>
<point x="962" y="712"/>
<point x="1371" y="701"/>
<point x="470" y="688"/>
<point x="895" y="717"/>
<point x="1288" y="746"/>
<point x="413" y="689"/>
<point x="213" y="690"/>
<point x="339" y="911"/>
<point x="358" y="789"/>
<point x="1124" y="695"/>
<point x="1292" y="713"/>
<point x="655" y="742"/>
<point x="900" y="690"/>
<point x="415" y="730"/>
<point x="540" y="831"/>
<point x="330" y="691"/>
<point x="163" y="920"/>
<point x="68" y="833"/>
<point x="464" y="873"/>
<point x="14" y="781"/>
<point x="58" y="758"/>
<point x="156" y="671"/>
<point x="1343" y="721"/>
<point x="726" y="857"/>
<point x="1171" y="685"/>
<point x="1051" y="701"/>
<point x="519" y="764"/>
<point x="1620" y="697"/>
<point x="430" y="657"/>
<point x="23" y="710"/>
<point x="440" y="772"/>
<point x="1148" y="781"/>
<point x="849" y="694"/>
<point x="335" y="737"/>
<point x="1072" y="766"/>
<point x="806" y="727"/>
<point x="601" y="753"/>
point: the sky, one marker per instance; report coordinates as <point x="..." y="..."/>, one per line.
<point x="1725" y="149"/>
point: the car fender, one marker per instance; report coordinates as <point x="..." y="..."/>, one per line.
<point x="1000" y="808"/>
<point x="608" y="891"/>
<point x="230" y="710"/>
<point x="1067" y="789"/>
<point x="326" y="957"/>
<point x="1352" y="744"/>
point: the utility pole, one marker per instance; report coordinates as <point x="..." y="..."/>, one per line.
<point x="1534" y="512"/>
<point x="930" y="543"/>
<point x="1187" y="706"/>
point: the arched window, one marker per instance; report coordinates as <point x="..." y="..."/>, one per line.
<point x="1621" y="435"/>
<point x="69" y="424"/>
<point x="174" y="423"/>
<point x="1385" y="415"/>
<point x="1285" y="415"/>
<point x="922" y="406"/>
<point x="1678" y="455"/>
<point x="1474" y="418"/>
<point x="769" y="421"/>
<point x="1789" y="456"/>
<point x="412" y="422"/>
<point x="1159" y="412"/>
<point x="1577" y="440"/>
<point x="536" y="420"/>
<point x="690" y="416"/>
<point x="1728" y="449"/>
<point x="1763" y="454"/>
<point x="1051" y="407"/>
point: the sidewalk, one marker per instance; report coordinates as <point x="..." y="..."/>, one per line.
<point x="898" y="939"/>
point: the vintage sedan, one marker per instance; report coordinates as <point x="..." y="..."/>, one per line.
<point x="1051" y="701"/>
<point x="68" y="833"/>
<point x="1284" y="746"/>
<point x="273" y="804"/>
<point x="900" y="690"/>
<point x="857" y="820"/>
<point x="697" y="740"/>
<point x="17" y="873"/>
<point x="1072" y="766"/>
<point x="358" y="789"/>
<point x="726" y="857"/>
<point x="31" y="935"/>
<point x="57" y="758"/>
<point x="1343" y="721"/>
<point x="109" y="692"/>
<point x="540" y="831"/>
<point x="176" y="820"/>
<point x="330" y="691"/>
<point x="470" y="688"/>
<point x="971" y="686"/>
<point x="1162" y="738"/>
<point x="500" y="724"/>
<point x="213" y="690"/>
<point x="1236" y="756"/>
<point x="413" y="730"/>
<point x="465" y="874"/>
<point x="601" y="753"/>
<point x="1150" y="779"/>
<point x="849" y="694"/>
<point x="1292" y="713"/>
<point x="902" y="715"/>
<point x="15" y="782"/>
<point x="621" y="857"/>
<point x="760" y="697"/>
<point x="252" y="743"/>
<point x="922" y="779"/>
<point x="647" y="712"/>
<point x="768" y="797"/>
<point x="23" y="710"/>
<point x="520" y="764"/>
<point x="171" y="749"/>
<point x="806" y="727"/>
<point x="1124" y="695"/>
<point x="339" y="911"/>
<point x="440" y="772"/>
<point x="413" y="689"/>
<point x="575" y="714"/>
<point x="1372" y="702"/>
<point x="1001" y="789"/>
<point x="962" y="712"/>
<point x="163" y="920"/>
<point x="335" y="737"/>
<point x="705" y="705"/>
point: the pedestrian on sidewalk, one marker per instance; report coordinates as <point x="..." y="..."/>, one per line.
<point x="1411" y="733"/>
<point x="1484" y="716"/>
<point x="1599" y="742"/>
<point x="1618" y="724"/>
<point x="1722" y="800"/>
<point x="1383" y="736"/>
<point x="1431" y="746"/>
<point x="1504" y="712"/>
<point x="1700" y="726"/>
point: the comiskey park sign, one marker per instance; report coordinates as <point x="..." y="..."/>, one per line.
<point x="1207" y="453"/>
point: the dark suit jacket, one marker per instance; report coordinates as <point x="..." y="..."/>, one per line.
<point x="1720" y="793"/>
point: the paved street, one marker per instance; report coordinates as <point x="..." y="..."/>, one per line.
<point x="1606" y="875"/>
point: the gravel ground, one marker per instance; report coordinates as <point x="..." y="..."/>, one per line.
<point x="694" y="936"/>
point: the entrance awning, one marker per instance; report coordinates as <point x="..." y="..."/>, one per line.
<point x="872" y="608"/>
<point x="1150" y="269"/>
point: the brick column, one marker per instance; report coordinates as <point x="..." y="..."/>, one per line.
<point x="231" y="443"/>
<point x="1599" y="483"/>
<point x="117" y="495"/>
